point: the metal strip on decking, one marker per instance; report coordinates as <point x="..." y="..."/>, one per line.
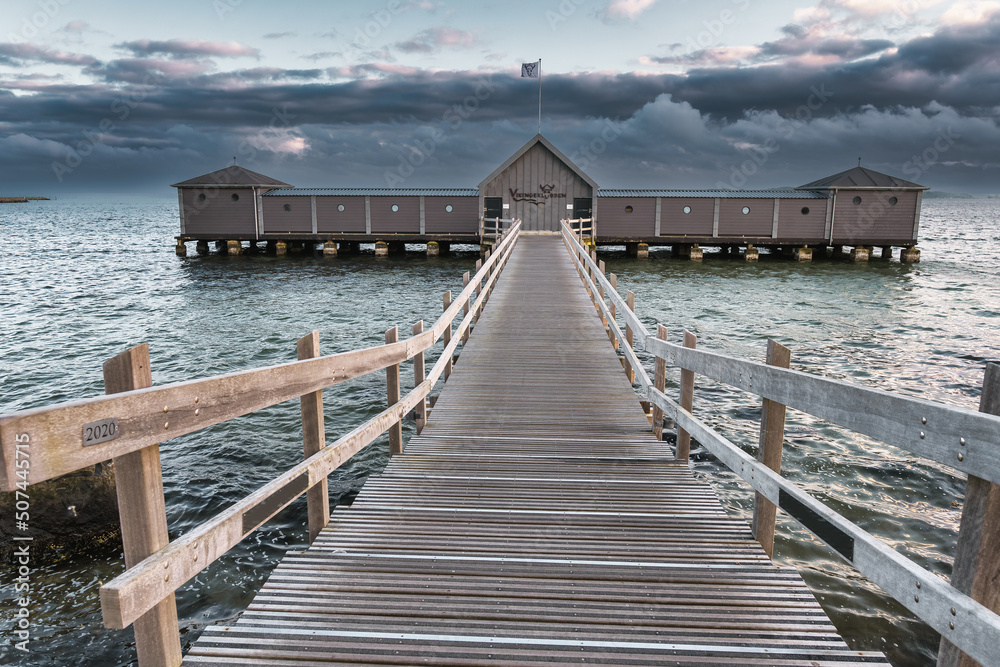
<point x="535" y="521"/>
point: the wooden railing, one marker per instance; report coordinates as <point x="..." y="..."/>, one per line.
<point x="583" y="228"/>
<point x="127" y="425"/>
<point x="493" y="228"/>
<point x="963" y="611"/>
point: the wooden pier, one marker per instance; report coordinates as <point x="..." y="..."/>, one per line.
<point x="532" y="524"/>
<point x="536" y="517"/>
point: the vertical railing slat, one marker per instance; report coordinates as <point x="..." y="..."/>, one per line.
<point x="772" y="439"/>
<point x="143" y="514"/>
<point x="392" y="396"/>
<point x="629" y="336"/>
<point x="977" y="556"/>
<point x="613" y="279"/>
<point x="447" y="336"/>
<point x="313" y="440"/>
<point x="687" y="401"/>
<point x="660" y="383"/>
<point x="418" y="379"/>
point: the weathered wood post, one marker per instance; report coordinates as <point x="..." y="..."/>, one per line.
<point x="600" y="292"/>
<point x="687" y="400"/>
<point x="613" y="279"/>
<point x="479" y="287"/>
<point x="447" y="336"/>
<point x="313" y="440"/>
<point x="392" y="396"/>
<point x="977" y="557"/>
<point x="660" y="382"/>
<point x="772" y="439"/>
<point x="629" y="336"/>
<point x="143" y="514"/>
<point x="418" y="379"/>
<point x="465" y="307"/>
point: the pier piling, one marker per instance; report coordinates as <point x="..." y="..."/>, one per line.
<point x="910" y="255"/>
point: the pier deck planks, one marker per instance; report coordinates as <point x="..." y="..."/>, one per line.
<point x="535" y="521"/>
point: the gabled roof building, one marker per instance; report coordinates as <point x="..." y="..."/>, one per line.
<point x="540" y="186"/>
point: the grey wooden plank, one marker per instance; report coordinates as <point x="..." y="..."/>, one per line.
<point x="535" y="520"/>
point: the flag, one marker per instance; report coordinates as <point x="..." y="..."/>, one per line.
<point x="530" y="70"/>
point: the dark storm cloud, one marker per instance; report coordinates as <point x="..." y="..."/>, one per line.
<point x="844" y="48"/>
<point x="955" y="49"/>
<point x="351" y="125"/>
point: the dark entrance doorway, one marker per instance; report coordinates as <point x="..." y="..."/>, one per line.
<point x="493" y="207"/>
<point x="583" y="207"/>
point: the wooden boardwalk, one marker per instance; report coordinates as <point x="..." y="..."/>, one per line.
<point x="534" y="521"/>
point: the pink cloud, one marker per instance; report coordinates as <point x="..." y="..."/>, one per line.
<point x="36" y="53"/>
<point x="434" y="39"/>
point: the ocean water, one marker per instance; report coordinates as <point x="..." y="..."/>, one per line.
<point x="81" y="279"/>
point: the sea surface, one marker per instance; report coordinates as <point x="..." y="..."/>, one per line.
<point x="82" y="279"/>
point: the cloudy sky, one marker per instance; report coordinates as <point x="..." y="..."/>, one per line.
<point x="113" y="96"/>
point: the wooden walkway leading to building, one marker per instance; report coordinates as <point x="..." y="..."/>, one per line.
<point x="535" y="520"/>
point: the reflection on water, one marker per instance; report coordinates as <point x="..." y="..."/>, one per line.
<point x="91" y="278"/>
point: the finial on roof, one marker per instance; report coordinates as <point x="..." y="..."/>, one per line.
<point x="859" y="161"/>
<point x="234" y="160"/>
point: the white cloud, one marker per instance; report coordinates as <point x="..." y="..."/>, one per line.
<point x="629" y="9"/>
<point x="970" y="12"/>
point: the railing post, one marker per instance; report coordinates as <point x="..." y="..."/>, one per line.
<point x="392" y="396"/>
<point x="977" y="557"/>
<point x="466" y="307"/>
<point x="613" y="279"/>
<point x="660" y="382"/>
<point x="479" y="287"/>
<point x="687" y="400"/>
<point x="772" y="440"/>
<point x="600" y="292"/>
<point x="489" y="274"/>
<point x="418" y="379"/>
<point x="630" y="302"/>
<point x="447" y="336"/>
<point x="313" y="440"/>
<point x="143" y="515"/>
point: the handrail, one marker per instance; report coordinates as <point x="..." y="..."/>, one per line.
<point x="959" y="438"/>
<point x="57" y="433"/>
<point x="631" y="319"/>
<point x="956" y="616"/>
<point x="134" y="592"/>
<point x="640" y="371"/>
<point x="139" y="589"/>
<point x="145" y="417"/>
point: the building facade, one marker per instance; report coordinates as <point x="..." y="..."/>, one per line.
<point x="540" y="186"/>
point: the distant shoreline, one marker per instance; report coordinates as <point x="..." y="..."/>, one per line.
<point x="21" y="200"/>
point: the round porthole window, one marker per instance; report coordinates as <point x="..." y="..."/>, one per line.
<point x="746" y="210"/>
<point x="893" y="201"/>
<point x="449" y="208"/>
<point x="395" y="208"/>
<point x="805" y="210"/>
<point x="857" y="200"/>
<point x="201" y="197"/>
<point x="236" y="197"/>
<point x="687" y="209"/>
<point x="288" y="207"/>
<point x="340" y="208"/>
<point x="628" y="209"/>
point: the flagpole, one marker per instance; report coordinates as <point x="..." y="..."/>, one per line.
<point x="539" y="96"/>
